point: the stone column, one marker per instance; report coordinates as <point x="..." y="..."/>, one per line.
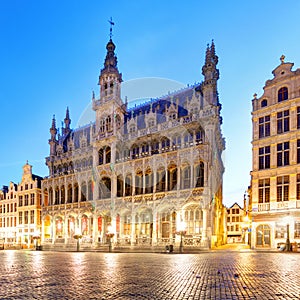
<point x="53" y="225"/>
<point x="133" y="184"/>
<point x="154" y="180"/>
<point x="95" y="228"/>
<point x="78" y="221"/>
<point x="43" y="230"/>
<point x="204" y="227"/>
<point x="114" y="227"/>
<point x="66" y="233"/>
<point x="133" y="237"/>
<point x="154" y="231"/>
<point x="53" y="194"/>
<point x="79" y="192"/>
<point x="192" y="176"/>
<point x="166" y="178"/>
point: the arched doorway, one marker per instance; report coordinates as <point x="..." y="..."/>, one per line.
<point x="263" y="236"/>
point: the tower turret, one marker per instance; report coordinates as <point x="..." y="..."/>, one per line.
<point x="110" y="78"/>
<point x="67" y="122"/>
<point x="110" y="107"/>
<point x="53" y="141"/>
<point x="211" y="75"/>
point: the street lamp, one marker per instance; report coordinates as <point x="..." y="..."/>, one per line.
<point x="288" y="243"/>
<point x="77" y="236"/>
<point x="181" y="231"/>
<point x="36" y="236"/>
<point x="287" y="220"/>
<point x="109" y="235"/>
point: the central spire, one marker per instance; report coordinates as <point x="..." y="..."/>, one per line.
<point x="111" y="61"/>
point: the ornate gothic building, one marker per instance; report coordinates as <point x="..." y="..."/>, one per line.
<point x="144" y="174"/>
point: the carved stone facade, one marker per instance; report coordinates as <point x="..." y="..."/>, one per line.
<point x="275" y="176"/>
<point x="141" y="171"/>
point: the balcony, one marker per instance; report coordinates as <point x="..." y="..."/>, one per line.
<point x="263" y="206"/>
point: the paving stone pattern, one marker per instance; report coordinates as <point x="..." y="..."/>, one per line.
<point x="212" y="275"/>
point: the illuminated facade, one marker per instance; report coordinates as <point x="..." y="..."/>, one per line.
<point x="20" y="210"/>
<point x="139" y="171"/>
<point x="275" y="176"/>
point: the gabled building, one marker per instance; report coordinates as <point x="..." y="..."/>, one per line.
<point x="143" y="173"/>
<point x="238" y="225"/>
<point x="275" y="175"/>
<point x="20" y="211"/>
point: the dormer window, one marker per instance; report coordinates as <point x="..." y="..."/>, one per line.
<point x="173" y="116"/>
<point x="151" y="123"/>
<point x="283" y="94"/>
<point x="132" y="129"/>
<point x="264" y="103"/>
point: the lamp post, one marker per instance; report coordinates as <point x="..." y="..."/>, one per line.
<point x="288" y="243"/>
<point x="77" y="236"/>
<point x="181" y="231"/>
<point x="109" y="235"/>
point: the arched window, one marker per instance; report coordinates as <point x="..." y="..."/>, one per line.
<point x="51" y="196"/>
<point x="107" y="155"/>
<point x="199" y="173"/>
<point x="102" y="126"/>
<point x="46" y="199"/>
<point x="186" y="177"/>
<point x="62" y="195"/>
<point x="155" y="147"/>
<point x="199" y="136"/>
<point x="139" y="183"/>
<point x="283" y="94"/>
<point x="172" y="177"/>
<point x="135" y="151"/>
<point x="105" y="188"/>
<point x="165" y="144"/>
<point x="76" y="192"/>
<point x="111" y="85"/>
<point x="69" y="199"/>
<point x="149" y="181"/>
<point x="193" y="219"/>
<point x="101" y="156"/>
<point x="56" y="196"/>
<point x="188" y="138"/>
<point x="108" y="124"/>
<point x="119" y="186"/>
<point x="126" y="154"/>
<point x="264" y="103"/>
<point x="128" y="185"/>
<point x="145" y="149"/>
<point x="83" y="192"/>
<point x="90" y="190"/>
<point x="161" y="180"/>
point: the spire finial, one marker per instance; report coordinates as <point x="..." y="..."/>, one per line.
<point x="53" y="122"/>
<point x="111" y="25"/>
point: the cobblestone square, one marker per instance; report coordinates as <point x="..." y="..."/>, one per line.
<point x="211" y="275"/>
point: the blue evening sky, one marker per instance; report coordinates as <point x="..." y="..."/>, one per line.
<point x="52" y="51"/>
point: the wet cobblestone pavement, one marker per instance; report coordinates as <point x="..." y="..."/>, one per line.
<point x="213" y="275"/>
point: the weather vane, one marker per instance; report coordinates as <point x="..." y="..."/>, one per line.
<point x="111" y="25"/>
